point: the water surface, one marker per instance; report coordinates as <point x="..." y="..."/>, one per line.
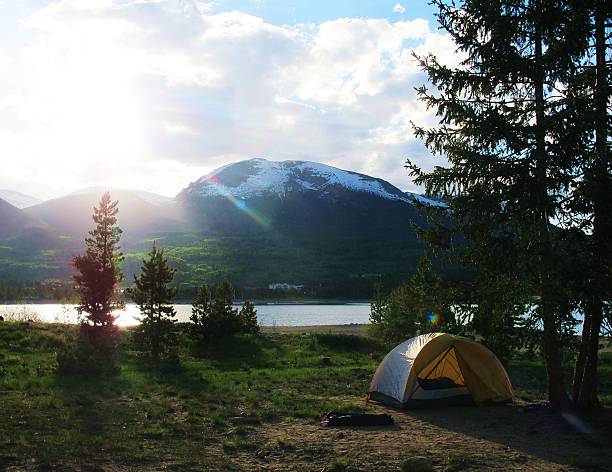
<point x="267" y="314"/>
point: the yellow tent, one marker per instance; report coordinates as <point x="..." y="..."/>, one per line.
<point x="440" y="369"/>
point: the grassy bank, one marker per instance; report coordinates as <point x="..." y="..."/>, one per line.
<point x="249" y="404"/>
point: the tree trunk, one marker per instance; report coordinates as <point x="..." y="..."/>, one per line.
<point x="587" y="396"/>
<point x="582" y="354"/>
<point x="557" y="394"/>
<point x="600" y="250"/>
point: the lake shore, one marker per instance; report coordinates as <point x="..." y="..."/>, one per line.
<point x="355" y="329"/>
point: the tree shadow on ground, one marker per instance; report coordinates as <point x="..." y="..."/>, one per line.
<point x="538" y="432"/>
<point x="241" y="352"/>
<point x="348" y="343"/>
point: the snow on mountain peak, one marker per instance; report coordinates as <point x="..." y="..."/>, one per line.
<point x="257" y="177"/>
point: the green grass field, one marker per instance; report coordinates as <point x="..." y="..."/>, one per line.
<point x="203" y="414"/>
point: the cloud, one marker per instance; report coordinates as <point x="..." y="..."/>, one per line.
<point x="399" y="8"/>
<point x="153" y="94"/>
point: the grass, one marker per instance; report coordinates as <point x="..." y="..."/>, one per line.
<point x="217" y="401"/>
<point x="528" y="376"/>
<point x="144" y="414"/>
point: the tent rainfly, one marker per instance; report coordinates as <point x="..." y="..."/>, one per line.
<point x="440" y="369"/>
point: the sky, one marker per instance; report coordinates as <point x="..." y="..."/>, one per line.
<point x="153" y="94"/>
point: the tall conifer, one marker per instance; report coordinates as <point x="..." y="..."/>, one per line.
<point x="98" y="273"/>
<point x="502" y="118"/>
<point x="153" y="295"/>
<point x="593" y="205"/>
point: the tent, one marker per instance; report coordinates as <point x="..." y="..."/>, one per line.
<point x="440" y="369"/>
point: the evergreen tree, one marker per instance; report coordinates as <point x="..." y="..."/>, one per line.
<point x="200" y="314"/>
<point x="417" y="307"/>
<point x="502" y="119"/>
<point x="248" y="318"/>
<point x="200" y="307"/>
<point x="218" y="318"/>
<point x="98" y="274"/>
<point x="222" y="309"/>
<point x="153" y="295"/>
<point x="591" y="110"/>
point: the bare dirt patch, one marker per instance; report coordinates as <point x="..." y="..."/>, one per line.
<point x="488" y="438"/>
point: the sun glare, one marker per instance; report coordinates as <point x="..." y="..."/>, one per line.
<point x="83" y="105"/>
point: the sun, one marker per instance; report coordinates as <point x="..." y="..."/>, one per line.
<point x="83" y="104"/>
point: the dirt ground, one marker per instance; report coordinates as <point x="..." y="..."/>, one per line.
<point x="506" y="438"/>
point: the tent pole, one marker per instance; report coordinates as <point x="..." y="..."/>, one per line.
<point x="438" y="363"/>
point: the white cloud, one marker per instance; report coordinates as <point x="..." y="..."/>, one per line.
<point x="152" y="94"/>
<point x="399" y="8"/>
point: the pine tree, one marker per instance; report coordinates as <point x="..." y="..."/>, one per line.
<point x="502" y="119"/>
<point x="201" y="305"/>
<point x="99" y="273"/>
<point x="222" y="308"/>
<point x="200" y="314"/>
<point x="593" y="191"/>
<point x="218" y="318"/>
<point x="248" y="318"/>
<point x="417" y="307"/>
<point x="153" y="295"/>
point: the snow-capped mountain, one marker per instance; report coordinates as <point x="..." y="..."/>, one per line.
<point x="425" y="200"/>
<point x="18" y="199"/>
<point x="258" y="177"/>
<point x="298" y="199"/>
<point x="262" y="221"/>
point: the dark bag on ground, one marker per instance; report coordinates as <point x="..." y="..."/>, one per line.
<point x="334" y="418"/>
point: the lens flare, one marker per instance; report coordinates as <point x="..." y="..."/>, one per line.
<point x="434" y="319"/>
<point x="240" y="203"/>
<point x="243" y="205"/>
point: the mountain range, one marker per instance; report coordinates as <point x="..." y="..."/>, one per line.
<point x="297" y="211"/>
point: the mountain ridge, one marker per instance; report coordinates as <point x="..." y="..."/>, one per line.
<point x="254" y="177"/>
<point x="255" y="221"/>
<point x="18" y="199"/>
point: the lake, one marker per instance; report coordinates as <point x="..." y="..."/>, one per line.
<point x="280" y="314"/>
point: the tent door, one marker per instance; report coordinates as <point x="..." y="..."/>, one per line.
<point x="446" y="367"/>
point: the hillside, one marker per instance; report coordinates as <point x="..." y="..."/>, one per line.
<point x="14" y="221"/>
<point x="257" y="221"/>
<point x="18" y="199"/>
<point x="140" y="213"/>
<point x="297" y="200"/>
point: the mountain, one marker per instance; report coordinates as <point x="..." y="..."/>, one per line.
<point x="258" y="222"/>
<point x="148" y="197"/>
<point x="258" y="177"/>
<point x="17" y="199"/>
<point x="299" y="200"/>
<point x="14" y="221"/>
<point x="425" y="200"/>
<point x="140" y="213"/>
<point x="26" y="247"/>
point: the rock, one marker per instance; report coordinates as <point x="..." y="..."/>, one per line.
<point x="326" y="361"/>
<point x="417" y="464"/>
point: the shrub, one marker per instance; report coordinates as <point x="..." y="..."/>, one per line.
<point x="217" y="318"/>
